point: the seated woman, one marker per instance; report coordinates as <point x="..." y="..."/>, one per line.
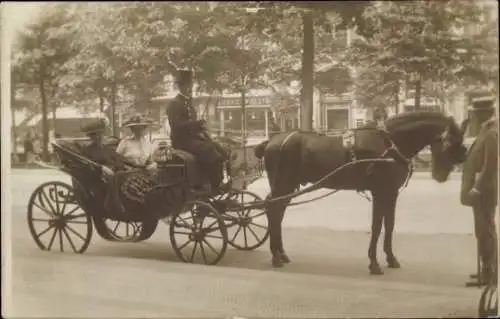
<point x="136" y="148"/>
<point x="133" y="186"/>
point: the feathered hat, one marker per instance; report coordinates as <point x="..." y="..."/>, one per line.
<point x="137" y="120"/>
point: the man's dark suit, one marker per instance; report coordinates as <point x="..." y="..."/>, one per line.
<point x="480" y="173"/>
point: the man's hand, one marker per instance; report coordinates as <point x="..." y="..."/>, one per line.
<point x="106" y="171"/>
<point x="152" y="166"/>
<point x="474" y="194"/>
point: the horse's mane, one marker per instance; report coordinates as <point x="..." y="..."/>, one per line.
<point x="408" y="120"/>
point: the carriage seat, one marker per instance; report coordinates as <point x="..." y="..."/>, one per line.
<point x="195" y="175"/>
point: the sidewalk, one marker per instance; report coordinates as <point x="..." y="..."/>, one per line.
<point x="319" y="283"/>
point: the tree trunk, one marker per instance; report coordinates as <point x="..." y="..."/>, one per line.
<point x="114" y="128"/>
<point x="45" y="126"/>
<point x="101" y="99"/>
<point x="13" y="142"/>
<point x="206" y="112"/>
<point x="243" y="126"/>
<point x="54" y="117"/>
<point x="243" y="117"/>
<point x="418" y="92"/>
<point x="53" y="105"/>
<point x="306" y="113"/>
<point x="397" y="89"/>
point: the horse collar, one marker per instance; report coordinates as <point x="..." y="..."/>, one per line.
<point x="393" y="145"/>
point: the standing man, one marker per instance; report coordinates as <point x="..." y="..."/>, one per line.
<point x="190" y="135"/>
<point x="479" y="186"/>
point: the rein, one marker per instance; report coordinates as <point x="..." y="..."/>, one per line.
<point x="317" y="184"/>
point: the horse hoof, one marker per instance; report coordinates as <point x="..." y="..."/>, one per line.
<point x="277" y="262"/>
<point x="393" y="264"/>
<point x="375" y="270"/>
<point x="284" y="258"/>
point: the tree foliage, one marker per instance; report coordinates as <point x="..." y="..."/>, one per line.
<point x="421" y="42"/>
<point x="44" y="47"/>
<point x="119" y="53"/>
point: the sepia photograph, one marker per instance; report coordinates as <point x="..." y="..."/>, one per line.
<point x="248" y="159"/>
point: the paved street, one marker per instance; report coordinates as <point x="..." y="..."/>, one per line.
<point x="327" y="241"/>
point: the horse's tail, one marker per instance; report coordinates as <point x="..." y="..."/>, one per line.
<point x="259" y="149"/>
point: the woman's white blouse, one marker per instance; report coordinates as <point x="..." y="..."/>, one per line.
<point x="136" y="151"/>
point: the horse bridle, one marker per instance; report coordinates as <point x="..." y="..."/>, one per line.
<point x="393" y="147"/>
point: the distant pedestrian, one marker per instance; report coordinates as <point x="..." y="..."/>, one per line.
<point x="479" y="186"/>
<point x="29" y="150"/>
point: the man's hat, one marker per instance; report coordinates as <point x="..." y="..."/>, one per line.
<point x="482" y="103"/>
<point x="137" y="120"/>
<point x="97" y="126"/>
<point x="184" y="76"/>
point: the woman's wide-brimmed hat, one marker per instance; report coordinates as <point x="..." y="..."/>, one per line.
<point x="97" y="126"/>
<point x="138" y="121"/>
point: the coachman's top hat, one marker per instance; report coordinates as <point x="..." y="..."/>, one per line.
<point x="97" y="126"/>
<point x="184" y="76"/>
<point x="137" y="120"/>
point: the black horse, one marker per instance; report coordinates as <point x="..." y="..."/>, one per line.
<point x="297" y="158"/>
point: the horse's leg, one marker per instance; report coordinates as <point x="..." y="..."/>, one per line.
<point x="283" y="256"/>
<point x="274" y="229"/>
<point x="377" y="217"/>
<point x="275" y="212"/>
<point x="389" y="220"/>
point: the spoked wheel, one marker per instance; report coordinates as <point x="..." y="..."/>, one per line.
<point x="54" y="213"/>
<point x="121" y="231"/>
<point x="247" y="227"/>
<point x="198" y="233"/>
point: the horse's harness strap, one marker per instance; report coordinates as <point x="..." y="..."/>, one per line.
<point x="393" y="147"/>
<point x="287" y="138"/>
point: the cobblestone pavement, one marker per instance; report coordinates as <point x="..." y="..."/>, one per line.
<point x="328" y="276"/>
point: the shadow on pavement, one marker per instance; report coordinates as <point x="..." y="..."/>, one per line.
<point x="429" y="260"/>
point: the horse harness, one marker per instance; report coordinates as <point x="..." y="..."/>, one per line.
<point x="348" y="141"/>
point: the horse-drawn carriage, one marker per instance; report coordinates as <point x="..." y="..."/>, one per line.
<point x="201" y="225"/>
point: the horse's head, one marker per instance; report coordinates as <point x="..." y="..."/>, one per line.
<point x="413" y="131"/>
<point x="447" y="151"/>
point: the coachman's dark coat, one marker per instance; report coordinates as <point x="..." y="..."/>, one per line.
<point x="190" y="135"/>
<point x="480" y="172"/>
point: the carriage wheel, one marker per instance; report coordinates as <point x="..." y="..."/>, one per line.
<point x="54" y="212"/>
<point x="247" y="227"/>
<point x="121" y="231"/>
<point x="198" y="233"/>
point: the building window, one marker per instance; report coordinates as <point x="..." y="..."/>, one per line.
<point x="337" y="119"/>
